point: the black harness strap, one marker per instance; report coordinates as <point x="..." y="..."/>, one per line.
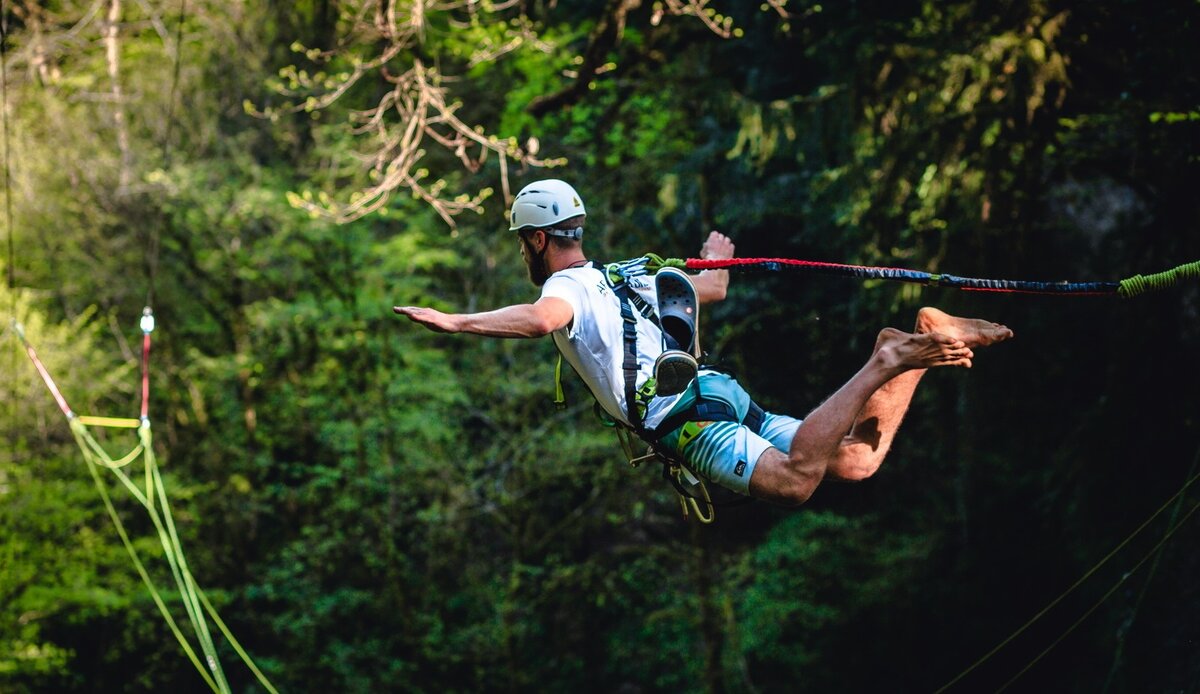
<point x="754" y="418"/>
<point x="630" y="364"/>
<point x="702" y="411"/>
<point x="711" y="411"/>
<point x="643" y="308"/>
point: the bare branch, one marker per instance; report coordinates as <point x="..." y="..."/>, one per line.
<point x="386" y="39"/>
<point x="413" y="116"/>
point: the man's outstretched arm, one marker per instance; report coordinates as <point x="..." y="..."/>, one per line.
<point x="711" y="285"/>
<point x="523" y="320"/>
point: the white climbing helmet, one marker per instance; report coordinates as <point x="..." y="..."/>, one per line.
<point x="542" y="204"/>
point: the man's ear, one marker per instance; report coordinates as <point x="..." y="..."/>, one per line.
<point x="538" y="240"/>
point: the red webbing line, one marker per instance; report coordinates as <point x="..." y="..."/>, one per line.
<point x="145" y="375"/>
<point x="721" y="263"/>
<point x="37" y="363"/>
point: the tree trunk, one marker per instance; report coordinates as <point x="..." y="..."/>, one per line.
<point x="113" y="60"/>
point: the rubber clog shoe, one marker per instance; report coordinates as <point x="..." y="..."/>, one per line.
<point x="674" y="371"/>
<point x="679" y="315"/>
<point x="678" y="311"/>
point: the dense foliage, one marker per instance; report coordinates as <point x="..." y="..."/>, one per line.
<point x="374" y="507"/>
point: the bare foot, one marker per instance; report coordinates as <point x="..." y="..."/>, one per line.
<point x="974" y="332"/>
<point x="900" y="351"/>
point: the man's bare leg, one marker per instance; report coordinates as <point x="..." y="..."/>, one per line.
<point x="863" y="450"/>
<point x="898" y="361"/>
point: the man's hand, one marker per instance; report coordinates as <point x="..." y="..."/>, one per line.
<point x="711" y="285"/>
<point x="434" y="320"/>
<point x="717" y="247"/>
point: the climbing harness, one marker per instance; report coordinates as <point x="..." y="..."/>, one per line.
<point x="694" y="496"/>
<point x="637" y="400"/>
<point x="152" y="496"/>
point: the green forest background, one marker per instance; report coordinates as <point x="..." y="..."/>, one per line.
<point x="374" y="507"/>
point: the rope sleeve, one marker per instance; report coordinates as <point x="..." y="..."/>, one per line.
<point x="145" y="375"/>
<point x="1139" y="284"/>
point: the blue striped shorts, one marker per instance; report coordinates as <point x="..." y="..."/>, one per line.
<point x="726" y="452"/>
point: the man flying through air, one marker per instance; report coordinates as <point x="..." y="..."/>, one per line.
<point x="633" y="342"/>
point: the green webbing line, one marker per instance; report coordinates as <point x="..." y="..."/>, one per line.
<point x="154" y="494"/>
<point x="101" y="455"/>
<point x="1171" y="525"/>
<point x="118" y="464"/>
<point x="212" y="612"/>
<point x="137" y="562"/>
<point x="1120" y="582"/>
<point x="194" y="600"/>
<point x="1181" y="493"/>
<point x="172" y="549"/>
<point x="175" y="557"/>
<point x="1139" y="284"/>
<point x="98" y="456"/>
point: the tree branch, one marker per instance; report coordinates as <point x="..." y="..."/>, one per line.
<point x="604" y="38"/>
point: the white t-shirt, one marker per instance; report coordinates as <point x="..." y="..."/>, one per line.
<point x="593" y="343"/>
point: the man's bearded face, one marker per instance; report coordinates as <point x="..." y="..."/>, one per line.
<point x="535" y="262"/>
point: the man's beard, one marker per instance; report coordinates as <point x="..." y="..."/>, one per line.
<point x="535" y="263"/>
